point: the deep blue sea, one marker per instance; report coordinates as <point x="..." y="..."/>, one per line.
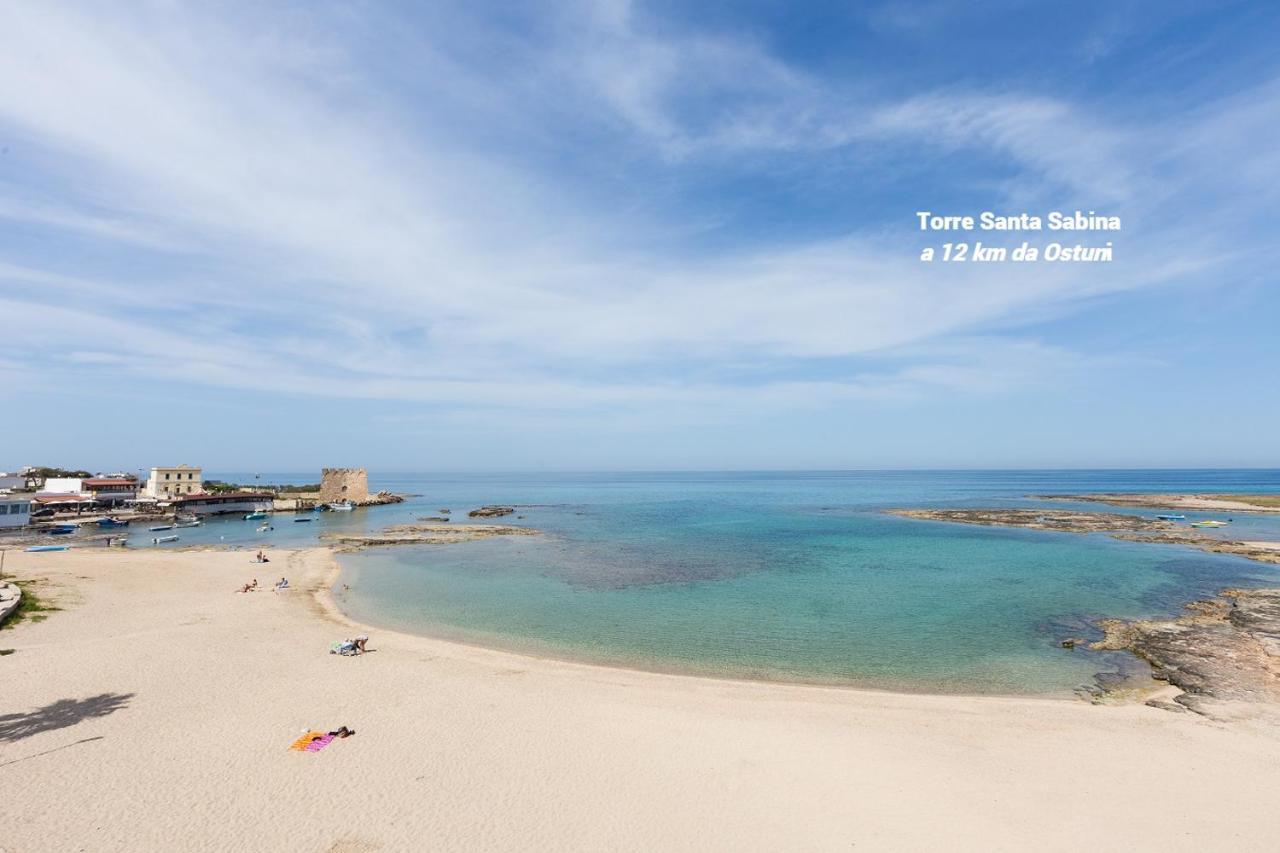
<point x="796" y="576"/>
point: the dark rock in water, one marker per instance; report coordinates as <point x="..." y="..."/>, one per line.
<point x="444" y="510"/>
<point x="433" y="518"/>
<point x="491" y="511"/>
<point x="1070" y="642"/>
<point x="1224" y="653"/>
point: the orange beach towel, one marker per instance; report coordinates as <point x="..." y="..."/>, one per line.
<point x="300" y="745"/>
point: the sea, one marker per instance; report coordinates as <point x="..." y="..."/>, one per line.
<point x="795" y="576"/>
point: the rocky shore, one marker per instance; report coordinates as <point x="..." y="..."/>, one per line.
<point x="1186" y="501"/>
<point x="433" y="533"/>
<point x="1223" y="654"/>
<point x="1221" y="658"/>
<point x="1131" y="528"/>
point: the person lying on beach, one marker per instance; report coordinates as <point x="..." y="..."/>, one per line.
<point x="245" y="588"/>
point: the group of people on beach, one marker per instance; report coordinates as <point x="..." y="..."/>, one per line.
<point x="283" y="583"/>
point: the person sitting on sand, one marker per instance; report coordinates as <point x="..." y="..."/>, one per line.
<point x="283" y="583"/>
<point x="254" y="585"/>
<point x="342" y="732"/>
<point x="360" y="641"/>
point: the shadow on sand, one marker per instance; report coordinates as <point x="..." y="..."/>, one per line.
<point x="59" y="715"/>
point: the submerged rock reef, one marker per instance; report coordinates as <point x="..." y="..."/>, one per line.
<point x="1223" y="654"/>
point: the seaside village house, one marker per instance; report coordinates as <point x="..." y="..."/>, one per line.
<point x="111" y="491"/>
<point x="14" y="511"/>
<point x="166" y="483"/>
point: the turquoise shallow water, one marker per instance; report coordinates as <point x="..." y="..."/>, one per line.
<point x="787" y="576"/>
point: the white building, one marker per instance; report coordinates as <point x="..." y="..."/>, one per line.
<point x="171" y="482"/>
<point x="224" y="502"/>
<point x="63" y="485"/>
<point x="14" y="512"/>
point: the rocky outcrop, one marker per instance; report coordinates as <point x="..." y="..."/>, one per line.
<point x="1066" y="521"/>
<point x="381" y="498"/>
<point x="1223" y="654"/>
<point x="491" y="511"/>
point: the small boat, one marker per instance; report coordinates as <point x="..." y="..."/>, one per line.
<point x="187" y="524"/>
<point x="161" y="539"/>
<point x="186" y="516"/>
<point x="298" y="520"/>
<point x="1171" y="517"/>
<point x="1208" y="523"/>
<point x="112" y="522"/>
<point x="342" y="506"/>
<point x="255" y="516"/>
<point x="264" y="528"/>
<point x="161" y="527"/>
<point x="48" y="547"/>
<point x="62" y="529"/>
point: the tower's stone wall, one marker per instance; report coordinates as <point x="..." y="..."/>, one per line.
<point x="344" y="484"/>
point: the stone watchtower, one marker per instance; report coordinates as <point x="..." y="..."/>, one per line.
<point x="344" y="484"/>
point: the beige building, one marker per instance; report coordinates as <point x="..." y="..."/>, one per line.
<point x="344" y="484"/>
<point x="171" y="482"/>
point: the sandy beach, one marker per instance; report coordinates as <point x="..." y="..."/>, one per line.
<point x="155" y="710"/>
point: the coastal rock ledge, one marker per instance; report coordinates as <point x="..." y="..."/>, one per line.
<point x="425" y="534"/>
<point x="1223" y="654"/>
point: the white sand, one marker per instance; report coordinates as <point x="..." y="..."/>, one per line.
<point x="463" y="748"/>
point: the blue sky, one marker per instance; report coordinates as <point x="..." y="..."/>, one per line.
<point x="616" y="235"/>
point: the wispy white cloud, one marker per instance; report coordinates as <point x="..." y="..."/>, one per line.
<point x="337" y="237"/>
